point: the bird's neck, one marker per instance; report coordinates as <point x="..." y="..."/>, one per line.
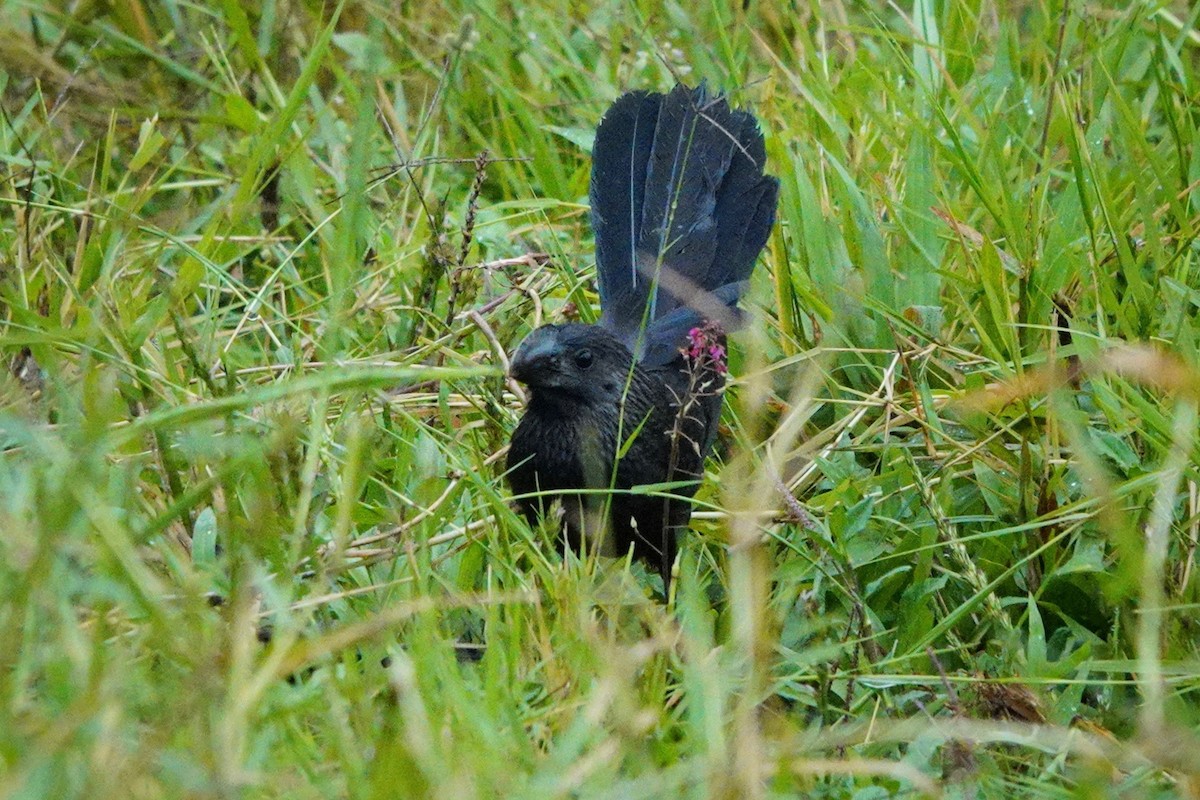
<point x="556" y="403"/>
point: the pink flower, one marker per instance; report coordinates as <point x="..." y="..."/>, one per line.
<point x="717" y="353"/>
<point x="705" y="341"/>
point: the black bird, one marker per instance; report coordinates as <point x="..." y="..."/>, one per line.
<point x="681" y="209"/>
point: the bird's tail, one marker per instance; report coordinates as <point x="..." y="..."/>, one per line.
<point x="681" y="209"/>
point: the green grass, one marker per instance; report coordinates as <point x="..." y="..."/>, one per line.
<point x="254" y="276"/>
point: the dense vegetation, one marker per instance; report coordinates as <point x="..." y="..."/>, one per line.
<point x="259" y="270"/>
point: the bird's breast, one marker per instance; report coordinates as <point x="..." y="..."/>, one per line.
<point x="565" y="451"/>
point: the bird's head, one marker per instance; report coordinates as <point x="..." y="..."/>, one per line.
<point x="573" y="363"/>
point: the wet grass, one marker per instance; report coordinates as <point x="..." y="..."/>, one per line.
<point x="259" y="269"/>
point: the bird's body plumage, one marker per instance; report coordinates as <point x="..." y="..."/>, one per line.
<point x="681" y="209"/>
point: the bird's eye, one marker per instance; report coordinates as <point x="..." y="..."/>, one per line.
<point x="583" y="359"/>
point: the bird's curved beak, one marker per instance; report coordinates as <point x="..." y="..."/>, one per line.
<point x="537" y="357"/>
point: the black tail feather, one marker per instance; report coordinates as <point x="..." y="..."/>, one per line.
<point x="745" y="207"/>
<point x="691" y="155"/>
<point x="620" y="160"/>
<point x="677" y="188"/>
